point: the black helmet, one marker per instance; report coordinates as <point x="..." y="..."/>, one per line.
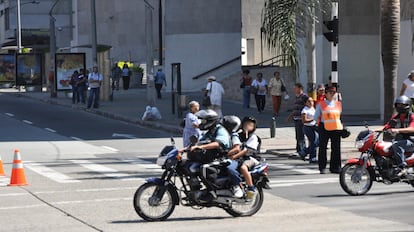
<point x="250" y="119"/>
<point x="402" y="100"/>
<point x="231" y="123"/>
<point x="208" y="119"/>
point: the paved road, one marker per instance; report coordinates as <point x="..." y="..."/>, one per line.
<point x="88" y="185"/>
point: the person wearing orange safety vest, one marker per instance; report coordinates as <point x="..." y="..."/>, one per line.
<point x="330" y="127"/>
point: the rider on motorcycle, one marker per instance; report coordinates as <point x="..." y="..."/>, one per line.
<point x="404" y="131"/>
<point x="214" y="143"/>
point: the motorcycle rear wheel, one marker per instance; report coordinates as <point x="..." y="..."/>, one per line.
<point x="248" y="208"/>
<point x="149" y="207"/>
<point x="355" y="180"/>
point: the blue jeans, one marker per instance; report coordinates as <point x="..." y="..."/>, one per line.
<point x="246" y="97"/>
<point x="399" y="148"/>
<point x="300" y="137"/>
<point x="75" y="95"/>
<point x="93" y="96"/>
<point x="313" y="138"/>
<point x="234" y="174"/>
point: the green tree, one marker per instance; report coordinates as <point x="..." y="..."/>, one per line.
<point x="285" y="20"/>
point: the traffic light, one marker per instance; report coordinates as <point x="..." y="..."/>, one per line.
<point x="332" y="35"/>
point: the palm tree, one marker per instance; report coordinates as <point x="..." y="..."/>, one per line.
<point x="390" y="50"/>
<point x="285" y="20"/>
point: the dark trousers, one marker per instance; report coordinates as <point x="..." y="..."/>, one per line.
<point x="260" y="102"/>
<point x="125" y="82"/>
<point x="93" y="96"/>
<point x="81" y="93"/>
<point x="75" y="94"/>
<point x="158" y="87"/>
<point x="300" y="137"/>
<point x="334" y="136"/>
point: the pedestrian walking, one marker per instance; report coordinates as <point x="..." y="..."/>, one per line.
<point x="330" y="128"/>
<point x="309" y="128"/>
<point x="191" y="123"/>
<point x="116" y="73"/>
<point x="276" y="89"/>
<point x="159" y="80"/>
<point x="246" y="84"/>
<point x="260" y="86"/>
<point x="299" y="104"/>
<point x="215" y="91"/>
<point x="94" y="80"/>
<point x="126" y="76"/>
<point x="407" y="88"/>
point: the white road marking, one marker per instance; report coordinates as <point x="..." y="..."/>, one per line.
<point x="76" y="138"/>
<point x="49" y="173"/>
<point x="296" y="168"/>
<point x="289" y="183"/>
<point x="128" y="136"/>
<point x="109" y="172"/>
<point x="110" y="148"/>
<point x="9" y="114"/>
<point x="28" y="122"/>
<point x="70" y="191"/>
<point x="145" y="166"/>
<point x="50" y="130"/>
<point x="66" y="203"/>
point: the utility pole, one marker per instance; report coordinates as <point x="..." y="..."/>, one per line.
<point x="160" y="45"/>
<point x="333" y="37"/>
<point x="311" y="56"/>
<point x="149" y="53"/>
<point x="52" y="30"/>
<point x="93" y="36"/>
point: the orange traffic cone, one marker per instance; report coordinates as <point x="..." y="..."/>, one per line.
<point x="17" y="177"/>
<point x="1" y="168"/>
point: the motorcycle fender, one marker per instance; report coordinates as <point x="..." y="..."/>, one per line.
<point x="159" y="181"/>
<point x="263" y="182"/>
<point x="357" y="161"/>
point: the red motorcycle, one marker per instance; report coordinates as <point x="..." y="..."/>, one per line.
<point x="358" y="174"/>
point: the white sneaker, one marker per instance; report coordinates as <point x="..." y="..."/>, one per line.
<point x="237" y="191"/>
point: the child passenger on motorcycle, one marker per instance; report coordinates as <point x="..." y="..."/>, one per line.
<point x="247" y="156"/>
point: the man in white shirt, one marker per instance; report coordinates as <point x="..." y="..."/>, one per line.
<point x="215" y="91"/>
<point x="94" y="80"/>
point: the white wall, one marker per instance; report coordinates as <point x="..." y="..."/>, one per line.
<point x="198" y="53"/>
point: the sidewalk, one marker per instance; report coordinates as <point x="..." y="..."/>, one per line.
<point x="129" y="106"/>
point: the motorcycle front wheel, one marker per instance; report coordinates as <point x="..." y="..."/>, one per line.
<point x="248" y="208"/>
<point x="148" y="204"/>
<point x="355" y="180"/>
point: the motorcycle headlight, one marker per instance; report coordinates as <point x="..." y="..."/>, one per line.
<point x="161" y="160"/>
<point x="359" y="144"/>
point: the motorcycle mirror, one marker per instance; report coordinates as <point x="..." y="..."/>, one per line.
<point x="366" y="124"/>
<point x="193" y="139"/>
<point x="172" y="140"/>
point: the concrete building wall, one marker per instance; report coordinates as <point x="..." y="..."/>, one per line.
<point x="202" y="35"/>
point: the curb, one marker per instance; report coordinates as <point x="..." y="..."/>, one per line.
<point x="151" y="124"/>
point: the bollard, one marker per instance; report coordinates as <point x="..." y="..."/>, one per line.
<point x="273" y="127"/>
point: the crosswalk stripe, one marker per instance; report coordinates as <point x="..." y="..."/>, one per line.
<point x="109" y="172"/>
<point x="295" y="168"/>
<point x="289" y="183"/>
<point x="49" y="173"/>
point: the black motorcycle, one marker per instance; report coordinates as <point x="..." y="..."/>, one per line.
<point x="195" y="185"/>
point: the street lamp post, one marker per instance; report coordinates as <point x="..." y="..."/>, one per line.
<point x="52" y="76"/>
<point x="19" y="23"/>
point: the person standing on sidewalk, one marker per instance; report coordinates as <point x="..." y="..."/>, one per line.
<point x="299" y="104"/>
<point x="320" y="94"/>
<point x="246" y="84"/>
<point x="260" y="86"/>
<point x="94" y="80"/>
<point x="116" y="76"/>
<point x="74" y="81"/>
<point x="309" y="128"/>
<point x="160" y="80"/>
<point x="276" y="85"/>
<point x="126" y="76"/>
<point x="82" y="79"/>
<point x="329" y="128"/>
<point x="215" y="91"/>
